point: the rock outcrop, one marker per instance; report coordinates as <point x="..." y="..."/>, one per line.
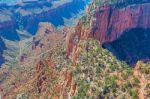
<point x="109" y="23"/>
<point x="112" y="22"/>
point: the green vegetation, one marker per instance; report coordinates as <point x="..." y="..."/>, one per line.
<point x="100" y="74"/>
<point x="82" y="91"/>
<point x="133" y="94"/>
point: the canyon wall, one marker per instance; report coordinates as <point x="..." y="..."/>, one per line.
<point x="112" y="22"/>
<point x="109" y="23"/>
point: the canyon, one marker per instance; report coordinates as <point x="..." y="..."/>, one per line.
<point x="110" y="24"/>
<point x="23" y="19"/>
<point x="106" y="56"/>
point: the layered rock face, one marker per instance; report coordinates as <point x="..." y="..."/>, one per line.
<point x="114" y="23"/>
<point x="110" y="22"/>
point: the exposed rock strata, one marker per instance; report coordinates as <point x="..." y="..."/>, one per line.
<point x="109" y="23"/>
<point x="112" y="22"/>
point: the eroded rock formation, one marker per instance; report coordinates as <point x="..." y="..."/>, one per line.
<point x="112" y="22"/>
<point x="109" y="23"/>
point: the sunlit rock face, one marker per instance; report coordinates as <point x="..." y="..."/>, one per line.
<point x="132" y="46"/>
<point x="126" y="33"/>
<point x="111" y="23"/>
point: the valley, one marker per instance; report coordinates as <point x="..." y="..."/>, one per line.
<point x="99" y="51"/>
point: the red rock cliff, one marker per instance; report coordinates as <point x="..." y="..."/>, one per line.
<point x="111" y="22"/>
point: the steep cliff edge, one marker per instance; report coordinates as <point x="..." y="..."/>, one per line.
<point x="112" y="22"/>
<point x="108" y="23"/>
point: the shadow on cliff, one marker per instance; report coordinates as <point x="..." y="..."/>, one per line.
<point x="132" y="46"/>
